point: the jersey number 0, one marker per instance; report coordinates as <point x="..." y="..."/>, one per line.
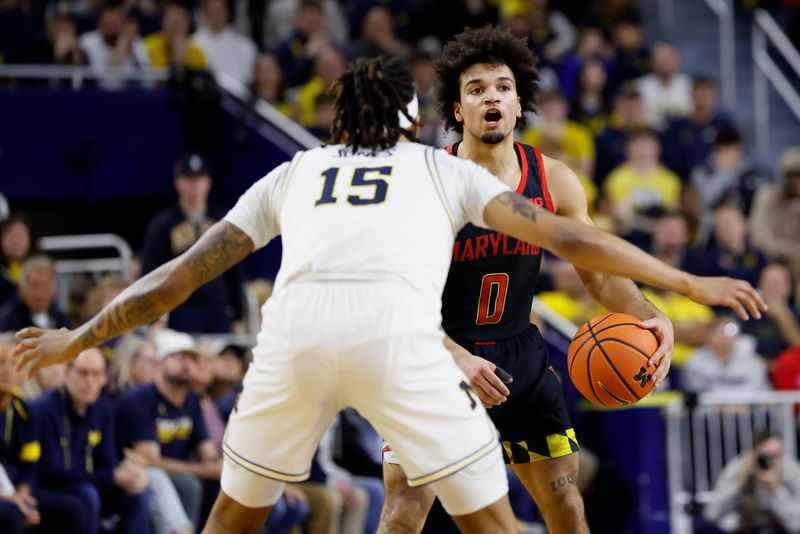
<point x="492" y="300"/>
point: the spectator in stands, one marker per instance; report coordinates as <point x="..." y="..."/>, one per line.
<point x="552" y="33"/>
<point x="361" y="496"/>
<point x="779" y="327"/>
<point x="217" y="306"/>
<point x="202" y="379"/>
<point x="786" y="370"/>
<point x="163" y="422"/>
<point x="378" y="37"/>
<point x="688" y="140"/>
<point x="328" y="66"/>
<point x="627" y="116"/>
<point x="775" y="218"/>
<point x="114" y="46"/>
<point x="300" y="51"/>
<point x="590" y="106"/>
<point x="758" y="491"/>
<point x="423" y="69"/>
<point x="17" y="242"/>
<point x="666" y="92"/>
<point x="133" y="363"/>
<point x="590" y="47"/>
<point x="632" y="57"/>
<point x="280" y="18"/>
<point x="79" y="456"/>
<point x="727" y="176"/>
<point x="569" y="297"/>
<point x="642" y="183"/>
<point x="62" y="38"/>
<point x="553" y="125"/>
<point x="230" y="365"/>
<point x="19" y="449"/>
<point x="269" y="85"/>
<point x="34" y="304"/>
<point x="20" y="31"/>
<point x="727" y="362"/>
<point x="46" y="379"/>
<point x="324" y="115"/>
<point x="690" y="320"/>
<point x="731" y="253"/>
<point x="225" y="50"/>
<point x="172" y="46"/>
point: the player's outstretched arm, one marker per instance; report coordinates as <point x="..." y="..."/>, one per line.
<point x="150" y="297"/>
<point x="589" y="248"/>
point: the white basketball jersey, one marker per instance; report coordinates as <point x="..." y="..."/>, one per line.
<point x="360" y="216"/>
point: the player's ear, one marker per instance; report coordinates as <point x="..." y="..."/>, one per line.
<point x="457" y="111"/>
<point x="519" y="107"/>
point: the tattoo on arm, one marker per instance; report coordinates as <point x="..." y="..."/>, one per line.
<point x="519" y="204"/>
<point x="560" y="482"/>
<point x="164" y="289"/>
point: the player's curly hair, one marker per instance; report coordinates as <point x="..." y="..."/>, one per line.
<point x="369" y="96"/>
<point x="484" y="45"/>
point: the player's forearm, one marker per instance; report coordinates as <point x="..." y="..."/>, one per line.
<point x="457" y="351"/>
<point x="143" y="302"/>
<point x="582" y="245"/>
<point x="621" y="294"/>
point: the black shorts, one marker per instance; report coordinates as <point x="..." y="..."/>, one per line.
<point x="534" y="424"/>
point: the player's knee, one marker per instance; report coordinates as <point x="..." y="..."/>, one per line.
<point x="568" y="502"/>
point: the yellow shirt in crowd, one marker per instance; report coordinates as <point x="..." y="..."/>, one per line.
<point x="660" y="188"/>
<point x="576" y="139"/>
<point x="156" y="45"/>
<point x="680" y="310"/>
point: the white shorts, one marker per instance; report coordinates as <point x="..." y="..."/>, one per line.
<point x="373" y="346"/>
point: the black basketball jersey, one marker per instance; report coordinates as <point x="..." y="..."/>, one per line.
<point x="492" y="278"/>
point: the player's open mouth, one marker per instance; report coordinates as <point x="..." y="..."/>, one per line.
<point x="492" y="117"/>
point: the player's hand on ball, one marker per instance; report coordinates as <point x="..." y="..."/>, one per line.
<point x="661" y="359"/>
<point x="40" y="348"/>
<point x="737" y="295"/>
<point x="487" y="385"/>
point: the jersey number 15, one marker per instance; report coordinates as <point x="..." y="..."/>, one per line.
<point x="359" y="179"/>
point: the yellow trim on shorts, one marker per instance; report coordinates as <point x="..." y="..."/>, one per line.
<point x="260" y="469"/>
<point x="456" y="466"/>
<point x="558" y="445"/>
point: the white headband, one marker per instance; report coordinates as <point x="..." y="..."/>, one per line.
<point x="413" y="110"/>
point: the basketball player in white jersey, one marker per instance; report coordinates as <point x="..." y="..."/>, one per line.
<point x="368" y="226"/>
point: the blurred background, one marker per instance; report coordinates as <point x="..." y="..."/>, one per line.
<point x="128" y="127"/>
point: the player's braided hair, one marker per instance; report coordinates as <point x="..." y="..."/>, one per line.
<point x="369" y="96"/>
<point x="484" y="45"/>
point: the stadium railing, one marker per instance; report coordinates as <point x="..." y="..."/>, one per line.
<point x="75" y="246"/>
<point x="769" y="37"/>
<point x="707" y="432"/>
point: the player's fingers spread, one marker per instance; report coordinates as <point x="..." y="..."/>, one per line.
<point x="24" y="358"/>
<point x="737" y="307"/>
<point x="487" y="393"/>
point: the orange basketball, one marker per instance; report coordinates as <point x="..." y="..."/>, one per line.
<point x="607" y="360"/>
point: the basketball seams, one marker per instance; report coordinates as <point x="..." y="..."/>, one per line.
<point x="634" y="347"/>
<point x="606" y="316"/>
<point x="589" y="373"/>
<point x="598" y="343"/>
<point x="599" y="332"/>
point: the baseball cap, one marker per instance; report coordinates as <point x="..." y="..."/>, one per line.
<point x="790" y="160"/>
<point x="191" y="165"/>
<point x="171" y="342"/>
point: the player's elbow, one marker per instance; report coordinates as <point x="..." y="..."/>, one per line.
<point x="567" y="239"/>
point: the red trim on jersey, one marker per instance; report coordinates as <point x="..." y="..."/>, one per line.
<point x="485" y="342"/>
<point x="449" y="149"/>
<point x="523" y="181"/>
<point x="543" y="179"/>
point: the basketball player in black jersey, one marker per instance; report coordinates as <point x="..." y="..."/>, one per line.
<point x="486" y="80"/>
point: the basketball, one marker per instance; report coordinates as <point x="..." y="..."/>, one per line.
<point x="607" y="360"/>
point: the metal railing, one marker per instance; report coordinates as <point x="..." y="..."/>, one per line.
<point x="76" y="245"/>
<point x="723" y="9"/>
<point x="704" y="437"/>
<point x="766" y="33"/>
<point x="79" y="75"/>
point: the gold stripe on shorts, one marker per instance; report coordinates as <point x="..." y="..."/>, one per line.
<point x="456" y="466"/>
<point x="260" y="469"/>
